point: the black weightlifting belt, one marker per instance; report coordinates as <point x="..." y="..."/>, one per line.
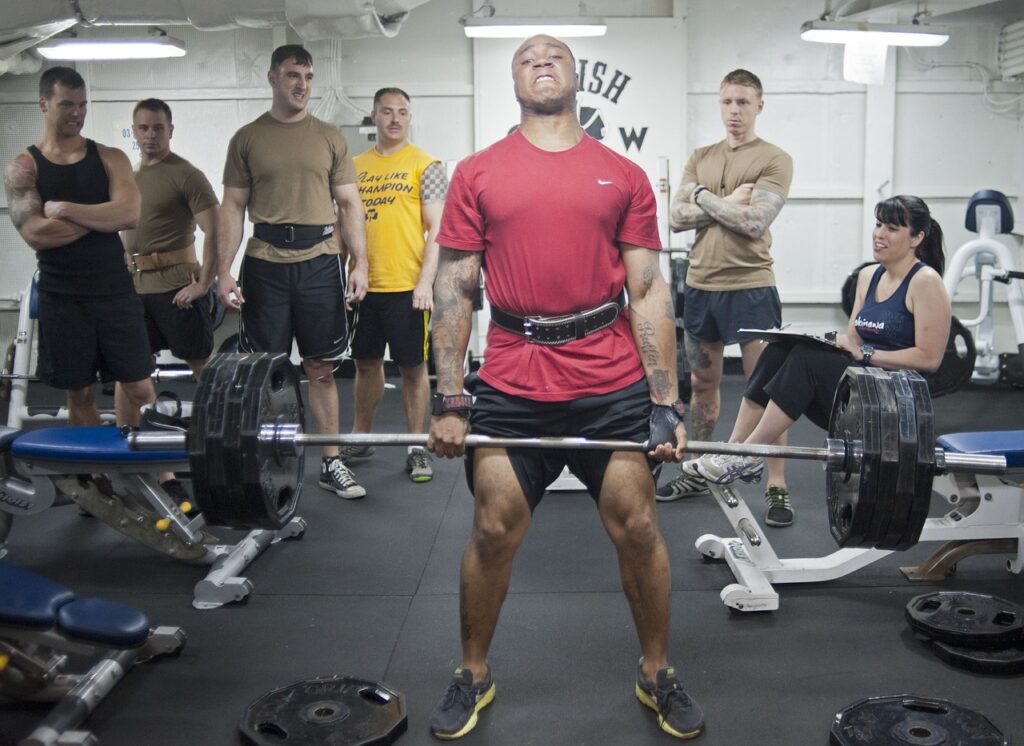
<point x="557" y="330"/>
<point x="290" y="236"/>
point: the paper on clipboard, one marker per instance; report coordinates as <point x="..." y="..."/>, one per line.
<point x="779" y="335"/>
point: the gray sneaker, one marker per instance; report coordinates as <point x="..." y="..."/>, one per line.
<point x="678" y="714"/>
<point x="722" y="468"/>
<point x="337" y="478"/>
<point x="349" y="453"/>
<point x="456" y="713"/>
<point x="780" y="511"/>
<point x="417" y="463"/>
<point x="688" y="483"/>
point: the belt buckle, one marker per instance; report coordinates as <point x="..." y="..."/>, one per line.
<point x="289" y="234"/>
<point x="528" y="328"/>
<point x="135" y="264"/>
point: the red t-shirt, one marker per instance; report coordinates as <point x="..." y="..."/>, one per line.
<point x="550" y="224"/>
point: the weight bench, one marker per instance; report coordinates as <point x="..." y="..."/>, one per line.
<point x="987" y="516"/>
<point x="42" y="468"/>
<point x="41" y="624"/>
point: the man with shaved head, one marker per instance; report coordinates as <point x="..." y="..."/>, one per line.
<point x="566" y="356"/>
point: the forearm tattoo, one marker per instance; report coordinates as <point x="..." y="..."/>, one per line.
<point x="650" y="331"/>
<point x="750" y="220"/>
<point x="23" y="200"/>
<point x="433" y="184"/>
<point x="684" y="215"/>
<point x="458" y="276"/>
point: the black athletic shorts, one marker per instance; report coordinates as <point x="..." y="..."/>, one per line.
<point x="81" y="336"/>
<point x="716" y="315"/>
<point x="186" y="332"/>
<point x="304" y="300"/>
<point x="389" y="319"/>
<point x="620" y="415"/>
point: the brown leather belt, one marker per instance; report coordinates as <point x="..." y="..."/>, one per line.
<point x="162" y="259"/>
<point x="557" y="330"/>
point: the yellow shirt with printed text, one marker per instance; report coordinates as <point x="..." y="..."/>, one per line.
<point x="389" y="186"/>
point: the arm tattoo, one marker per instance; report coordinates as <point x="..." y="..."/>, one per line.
<point x="750" y="220"/>
<point x="458" y="276"/>
<point x="684" y="215"/>
<point x="23" y="200"/>
<point x="433" y="184"/>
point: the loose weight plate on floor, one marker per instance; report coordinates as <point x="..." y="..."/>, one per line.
<point x="963" y="619"/>
<point x="326" y="711"/>
<point x="908" y="720"/>
<point x="1005" y="662"/>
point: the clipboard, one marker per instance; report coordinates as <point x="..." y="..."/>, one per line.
<point x="779" y="335"/>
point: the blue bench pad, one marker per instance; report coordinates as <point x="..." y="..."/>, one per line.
<point x="32" y="601"/>
<point x="85" y="444"/>
<point x="103" y="622"/>
<point x="29" y="600"/>
<point x="1009" y="443"/>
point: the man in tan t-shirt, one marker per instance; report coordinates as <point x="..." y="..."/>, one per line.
<point x="290" y="170"/>
<point x="730" y="193"/>
<point x="161" y="252"/>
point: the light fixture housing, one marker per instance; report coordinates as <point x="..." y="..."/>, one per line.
<point x="110" y="48"/>
<point x="844" y="32"/>
<point x="506" y="27"/>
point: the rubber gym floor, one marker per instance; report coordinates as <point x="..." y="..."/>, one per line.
<point x="371" y="591"/>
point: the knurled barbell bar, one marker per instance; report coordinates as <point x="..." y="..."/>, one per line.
<point x="245" y="445"/>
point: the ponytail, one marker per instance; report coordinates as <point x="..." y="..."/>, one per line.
<point x="930" y="250"/>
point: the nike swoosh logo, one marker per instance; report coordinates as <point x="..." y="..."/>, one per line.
<point x="602" y="182"/>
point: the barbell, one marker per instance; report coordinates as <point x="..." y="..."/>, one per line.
<point x="246" y="438"/>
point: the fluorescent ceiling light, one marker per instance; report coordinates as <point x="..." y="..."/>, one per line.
<point x="844" y="32"/>
<point x="505" y="27"/>
<point x="110" y="48"/>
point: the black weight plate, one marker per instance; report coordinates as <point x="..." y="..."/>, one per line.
<point x="1005" y="662"/>
<point x="206" y="435"/>
<point x="855" y="420"/>
<point x="907" y="720"/>
<point x="925" y="479"/>
<point x="970" y="620"/>
<point x="244" y="511"/>
<point x="887" y="476"/>
<point x="328" y="711"/>
<point x="957" y="364"/>
<point x="272" y="477"/>
<point x="904" y="489"/>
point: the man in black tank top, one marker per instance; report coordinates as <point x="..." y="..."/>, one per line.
<point x="68" y="197"/>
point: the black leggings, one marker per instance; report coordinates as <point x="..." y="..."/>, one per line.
<point x="800" y="378"/>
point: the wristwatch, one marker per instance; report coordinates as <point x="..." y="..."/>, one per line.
<point x="866" y="351"/>
<point x="459" y="404"/>
<point x="696" y="191"/>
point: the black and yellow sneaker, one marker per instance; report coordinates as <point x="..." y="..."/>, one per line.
<point x="678" y="714"/>
<point x="456" y="714"/>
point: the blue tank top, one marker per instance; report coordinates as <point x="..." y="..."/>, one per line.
<point x="93" y="264"/>
<point x="887" y="325"/>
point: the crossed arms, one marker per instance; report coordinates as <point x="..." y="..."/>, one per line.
<point x="747" y="211"/>
<point x="50" y="225"/>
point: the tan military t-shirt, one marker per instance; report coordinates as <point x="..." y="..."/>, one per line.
<point x="289" y="169"/>
<point x="722" y="259"/>
<point x="173" y="193"/>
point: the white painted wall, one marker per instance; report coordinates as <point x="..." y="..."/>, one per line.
<point x="927" y="132"/>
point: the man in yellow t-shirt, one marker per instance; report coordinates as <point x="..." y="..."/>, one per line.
<point x="731" y="192"/>
<point x="290" y="170"/>
<point x="403" y="190"/>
